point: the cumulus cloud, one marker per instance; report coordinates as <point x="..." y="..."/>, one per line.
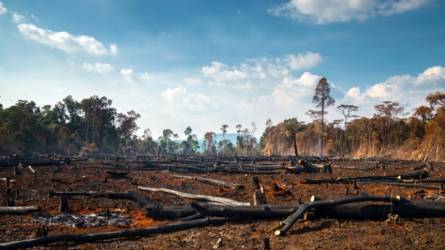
<point x="255" y="71"/>
<point x="322" y="11"/>
<point x="3" y="9"/>
<point x="408" y="90"/>
<point x="292" y="97"/>
<point x="98" y="67"/>
<point x="304" y="61"/>
<point x="130" y="75"/>
<point x="293" y="91"/>
<point x="181" y="98"/>
<point x="65" y="41"/>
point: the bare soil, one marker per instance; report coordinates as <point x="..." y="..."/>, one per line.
<point x="321" y="233"/>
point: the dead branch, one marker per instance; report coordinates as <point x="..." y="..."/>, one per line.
<point x="31" y="169"/>
<point x="18" y="210"/>
<point x="211" y="181"/>
<point x="415" y="175"/>
<point x="200" y="197"/>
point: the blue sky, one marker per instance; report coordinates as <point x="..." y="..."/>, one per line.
<point x="205" y="63"/>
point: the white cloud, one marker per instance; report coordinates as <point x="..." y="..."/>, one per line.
<point x="322" y="11"/>
<point x="255" y="71"/>
<point x="181" y="99"/>
<point x="127" y="73"/>
<point x="293" y="91"/>
<point x="98" y="67"/>
<point x="64" y="41"/>
<point x="304" y="61"/>
<point x="17" y="18"/>
<point x="3" y="9"/>
<point x="354" y="93"/>
<point x="222" y="72"/>
<point x="114" y="49"/>
<point x="410" y="91"/>
<point x="133" y="77"/>
<point x="432" y="75"/>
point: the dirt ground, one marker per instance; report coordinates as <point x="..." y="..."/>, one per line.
<point x="323" y="233"/>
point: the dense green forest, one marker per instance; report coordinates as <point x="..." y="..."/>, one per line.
<point x="92" y="125"/>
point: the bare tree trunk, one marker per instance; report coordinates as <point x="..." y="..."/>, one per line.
<point x="322" y="130"/>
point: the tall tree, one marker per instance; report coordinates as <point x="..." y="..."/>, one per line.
<point x="223" y="142"/>
<point x="209" y="143"/>
<point x="346" y="110"/>
<point x="127" y="126"/>
<point x="322" y="99"/>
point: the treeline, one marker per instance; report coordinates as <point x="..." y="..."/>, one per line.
<point x="92" y="125"/>
<point x="386" y="134"/>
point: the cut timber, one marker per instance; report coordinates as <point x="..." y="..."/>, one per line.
<point x="360" y="210"/>
<point x="31" y="169"/>
<point x="64" y="207"/>
<point x="169" y="212"/>
<point x="414" y="175"/>
<point x="117" y="175"/>
<point x="83" y="238"/>
<point x="259" y="198"/>
<point x="211" y="181"/>
<point x="200" y="197"/>
<point x="302" y="209"/>
<point x="255" y="212"/>
<point x="402" y="184"/>
<point x="18" y="210"/>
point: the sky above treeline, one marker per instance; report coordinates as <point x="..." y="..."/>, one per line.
<point x="205" y="63"/>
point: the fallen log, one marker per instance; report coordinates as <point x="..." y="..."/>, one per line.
<point x="361" y="210"/>
<point x="414" y="175"/>
<point x="18" y="210"/>
<point x="254" y="212"/>
<point x="303" y="208"/>
<point x="211" y="181"/>
<point x="401" y="184"/>
<point x="84" y="238"/>
<point x="200" y="197"/>
<point x="118" y="175"/>
<point x="168" y="212"/>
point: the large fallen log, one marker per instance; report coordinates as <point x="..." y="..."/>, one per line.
<point x="253" y="212"/>
<point x="211" y="181"/>
<point x="84" y="238"/>
<point x="303" y="208"/>
<point x="414" y="175"/>
<point x="199" y="197"/>
<point x="361" y="210"/>
<point x="18" y="210"/>
<point x="169" y="212"/>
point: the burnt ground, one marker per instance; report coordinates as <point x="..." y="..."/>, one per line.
<point x="321" y="233"/>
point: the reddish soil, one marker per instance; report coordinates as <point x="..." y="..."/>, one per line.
<point x="321" y="233"/>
